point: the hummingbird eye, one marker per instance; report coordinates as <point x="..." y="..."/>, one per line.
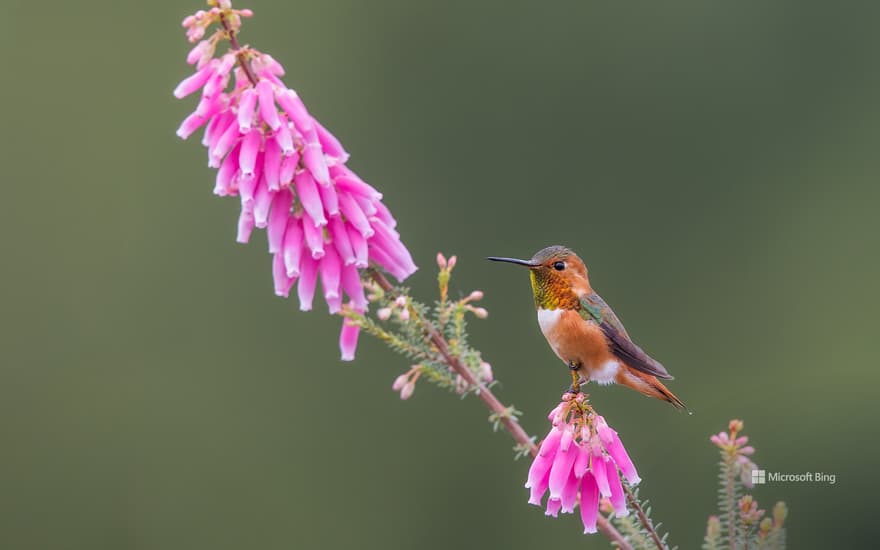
<point x="559" y="266"/>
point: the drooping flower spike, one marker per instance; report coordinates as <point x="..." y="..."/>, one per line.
<point x="579" y="462"/>
<point x="322" y="221"/>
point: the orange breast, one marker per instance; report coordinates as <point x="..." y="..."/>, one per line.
<point x="578" y="341"/>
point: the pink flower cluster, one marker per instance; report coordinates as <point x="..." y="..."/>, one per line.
<point x="578" y="462"/>
<point x="733" y="447"/>
<point x="321" y="219"/>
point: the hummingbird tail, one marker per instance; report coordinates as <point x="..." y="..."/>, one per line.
<point x="669" y="396"/>
<point x="647" y="384"/>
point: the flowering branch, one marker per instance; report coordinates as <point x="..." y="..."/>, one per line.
<point x="322" y="220"/>
<point x="492" y="403"/>
<point x="740" y="520"/>
<point x="499" y="411"/>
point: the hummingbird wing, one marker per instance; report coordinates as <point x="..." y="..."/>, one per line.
<point x="594" y="308"/>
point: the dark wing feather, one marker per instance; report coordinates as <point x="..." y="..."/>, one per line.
<point x="594" y="308"/>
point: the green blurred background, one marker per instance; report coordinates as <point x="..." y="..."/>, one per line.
<point x="715" y="163"/>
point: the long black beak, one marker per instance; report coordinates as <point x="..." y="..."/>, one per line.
<point x="526" y="263"/>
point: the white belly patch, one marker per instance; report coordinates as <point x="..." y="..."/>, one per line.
<point x="547" y="319"/>
<point x="605" y="374"/>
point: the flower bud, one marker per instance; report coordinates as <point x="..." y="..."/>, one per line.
<point x="486" y="372"/>
<point x="479" y="312"/>
<point x="780" y="512"/>
<point x="400" y="382"/>
<point x="384" y="313"/>
<point x="196" y="53"/>
<point x="713" y="528"/>
<point x="441" y="260"/>
<point x="407" y="390"/>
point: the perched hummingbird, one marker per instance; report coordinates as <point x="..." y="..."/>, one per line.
<point x="583" y="330"/>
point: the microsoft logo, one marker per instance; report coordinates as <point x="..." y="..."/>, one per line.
<point x="759" y="477"/>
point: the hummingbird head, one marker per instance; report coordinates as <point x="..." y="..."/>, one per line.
<point x="558" y="277"/>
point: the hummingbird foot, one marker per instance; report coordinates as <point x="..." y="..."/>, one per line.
<point x="575" y="387"/>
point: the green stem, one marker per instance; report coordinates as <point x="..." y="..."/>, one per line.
<point x="731" y="505"/>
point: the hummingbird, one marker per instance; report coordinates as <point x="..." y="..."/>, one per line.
<point x="583" y="330"/>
